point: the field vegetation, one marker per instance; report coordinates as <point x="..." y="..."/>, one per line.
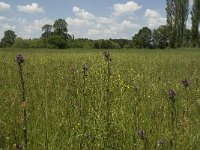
<point x="96" y="99"/>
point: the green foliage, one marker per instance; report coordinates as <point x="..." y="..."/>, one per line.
<point x="80" y="43"/>
<point x="187" y="38"/>
<point x="177" y="15"/>
<point x="160" y="37"/>
<point x="123" y="43"/>
<point x="56" y="41"/>
<point x="195" y="23"/>
<point x="105" y="44"/>
<point x="143" y="38"/>
<point x="21" y="43"/>
<point x="47" y="30"/>
<point x="60" y="28"/>
<point x="8" y="39"/>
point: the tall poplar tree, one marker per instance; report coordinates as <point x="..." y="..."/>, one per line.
<point x="170" y="12"/>
<point x="195" y="23"/>
<point x="177" y="15"/>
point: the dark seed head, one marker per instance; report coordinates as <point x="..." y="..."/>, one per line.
<point x="18" y="147"/>
<point x="171" y="94"/>
<point x="19" y="59"/>
<point x="185" y="83"/>
<point x="85" y="67"/>
<point x="106" y="55"/>
<point x="160" y="142"/>
<point x="140" y="134"/>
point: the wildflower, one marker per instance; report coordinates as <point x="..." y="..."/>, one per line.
<point x="72" y="68"/>
<point x="19" y="59"/>
<point x="160" y="142"/>
<point x="85" y="67"/>
<point x="186" y="83"/>
<point x="106" y="55"/>
<point x="141" y="134"/>
<point x="171" y="94"/>
<point x="18" y="147"/>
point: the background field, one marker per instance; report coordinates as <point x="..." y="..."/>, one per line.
<point x="69" y="110"/>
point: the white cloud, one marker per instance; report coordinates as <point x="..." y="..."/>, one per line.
<point x="6" y="26"/>
<point x="189" y="22"/>
<point x="191" y="2"/>
<point x="4" y="6"/>
<point x="2" y="18"/>
<point x="82" y="13"/>
<point x="154" y="19"/>
<point x="36" y="26"/>
<point x="128" y="25"/>
<point x="33" y="8"/>
<point x="78" y="22"/>
<point x="104" y="20"/>
<point x="87" y="25"/>
<point x="21" y="20"/>
<point x="129" y="7"/>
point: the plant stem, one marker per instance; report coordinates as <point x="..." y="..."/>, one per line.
<point x="24" y="105"/>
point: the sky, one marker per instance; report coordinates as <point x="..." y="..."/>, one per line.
<point x="93" y="19"/>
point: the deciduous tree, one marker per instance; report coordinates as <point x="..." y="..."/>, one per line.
<point x="60" y="28"/>
<point x="177" y="15"/>
<point x="8" y="39"/>
<point x="195" y="22"/>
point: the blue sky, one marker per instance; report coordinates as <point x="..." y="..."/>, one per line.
<point x="95" y="19"/>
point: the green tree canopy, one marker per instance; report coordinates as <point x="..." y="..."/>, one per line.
<point x="8" y="39"/>
<point x="47" y="30"/>
<point x="60" y="28"/>
<point x="143" y="38"/>
<point x="160" y="37"/>
<point x="177" y="15"/>
<point x="195" y="22"/>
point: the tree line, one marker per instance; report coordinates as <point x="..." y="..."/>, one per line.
<point x="173" y="34"/>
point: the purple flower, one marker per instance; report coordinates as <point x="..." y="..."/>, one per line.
<point x="140" y="133"/>
<point x="160" y="142"/>
<point x="85" y="67"/>
<point x="186" y="83"/>
<point x="106" y="55"/>
<point x="171" y="94"/>
<point x="19" y="59"/>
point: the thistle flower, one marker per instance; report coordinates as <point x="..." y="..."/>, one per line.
<point x="19" y="59"/>
<point x="85" y="67"/>
<point x="160" y="142"/>
<point x="106" y="55"/>
<point x="185" y="83"/>
<point x="171" y="94"/>
<point x="141" y="134"/>
<point x="18" y="147"/>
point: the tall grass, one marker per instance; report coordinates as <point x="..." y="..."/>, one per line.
<point x="118" y="104"/>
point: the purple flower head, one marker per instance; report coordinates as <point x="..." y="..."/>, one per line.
<point x="160" y="142"/>
<point x="106" y="55"/>
<point x="19" y="59"/>
<point x="186" y="83"/>
<point x="141" y="134"/>
<point x="85" y="67"/>
<point x="171" y="94"/>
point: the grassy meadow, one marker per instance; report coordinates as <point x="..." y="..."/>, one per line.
<point x="84" y="99"/>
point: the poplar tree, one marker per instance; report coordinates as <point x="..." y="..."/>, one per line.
<point x="177" y="15"/>
<point x="195" y="23"/>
